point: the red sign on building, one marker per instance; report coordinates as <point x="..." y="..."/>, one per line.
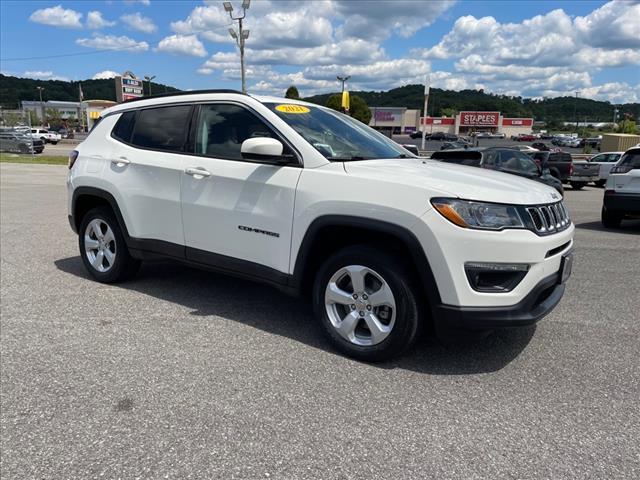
<point x="484" y="119"/>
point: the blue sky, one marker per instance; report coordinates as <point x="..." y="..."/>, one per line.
<point x="524" y="48"/>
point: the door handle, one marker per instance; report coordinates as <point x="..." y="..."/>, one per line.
<point x="120" y="161"/>
<point x="197" y="172"/>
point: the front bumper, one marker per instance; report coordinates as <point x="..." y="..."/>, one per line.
<point x="627" y="203"/>
<point x="539" y="302"/>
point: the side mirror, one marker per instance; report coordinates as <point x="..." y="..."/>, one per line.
<point x="265" y="149"/>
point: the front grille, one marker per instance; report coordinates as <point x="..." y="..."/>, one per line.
<point x="548" y="219"/>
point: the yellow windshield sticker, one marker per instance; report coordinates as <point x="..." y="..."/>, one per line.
<point x="289" y="108"/>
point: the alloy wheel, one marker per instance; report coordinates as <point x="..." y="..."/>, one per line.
<point x="100" y="245"/>
<point x="360" y="305"/>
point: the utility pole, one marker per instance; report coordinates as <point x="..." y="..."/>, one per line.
<point x="40" y="89"/>
<point x="427" y="87"/>
<point x="148" y="78"/>
<point x="575" y="111"/>
<point x="241" y="36"/>
<point x="615" y="116"/>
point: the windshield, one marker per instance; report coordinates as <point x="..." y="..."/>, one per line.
<point x="337" y="136"/>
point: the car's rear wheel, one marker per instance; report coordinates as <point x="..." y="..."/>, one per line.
<point x="600" y="183"/>
<point x="577" y="185"/>
<point x="366" y="303"/>
<point x="611" y="219"/>
<point x="103" y="249"/>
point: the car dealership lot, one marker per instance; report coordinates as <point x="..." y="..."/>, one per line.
<point x="186" y="373"/>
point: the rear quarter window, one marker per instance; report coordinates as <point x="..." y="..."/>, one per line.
<point x="124" y="127"/>
<point x="471" y="159"/>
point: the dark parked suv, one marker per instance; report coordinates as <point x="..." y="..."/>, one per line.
<point x="17" y="142"/>
<point x="506" y="160"/>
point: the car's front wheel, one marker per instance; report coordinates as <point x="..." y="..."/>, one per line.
<point x="366" y="303"/>
<point x="103" y="249"/>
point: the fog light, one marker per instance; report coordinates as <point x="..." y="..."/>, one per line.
<point x="495" y="277"/>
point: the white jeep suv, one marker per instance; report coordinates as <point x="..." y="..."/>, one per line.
<point x="311" y="200"/>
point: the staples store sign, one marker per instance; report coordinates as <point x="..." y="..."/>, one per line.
<point x="470" y="119"/>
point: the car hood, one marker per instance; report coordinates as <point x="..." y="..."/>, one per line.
<point x="447" y="179"/>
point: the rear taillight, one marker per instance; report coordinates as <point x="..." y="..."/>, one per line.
<point x="622" y="169"/>
<point x="571" y="169"/>
<point x="72" y="158"/>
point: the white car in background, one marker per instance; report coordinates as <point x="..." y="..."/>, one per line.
<point x="606" y="161"/>
<point x="45" y="135"/>
<point x="622" y="191"/>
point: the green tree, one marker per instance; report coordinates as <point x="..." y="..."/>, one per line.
<point x="292" y="92"/>
<point x="358" y="107"/>
<point x="448" y="112"/>
<point x="627" y="126"/>
<point x="33" y="118"/>
<point x="53" y="116"/>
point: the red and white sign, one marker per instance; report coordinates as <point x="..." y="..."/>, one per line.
<point x="523" y="122"/>
<point x="485" y="119"/>
<point x="437" y="121"/>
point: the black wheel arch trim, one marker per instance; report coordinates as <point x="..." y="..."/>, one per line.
<point x="418" y="255"/>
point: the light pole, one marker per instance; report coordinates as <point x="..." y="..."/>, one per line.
<point x="615" y="116"/>
<point x="148" y="79"/>
<point x="239" y="36"/>
<point x="343" y="79"/>
<point x="427" y="87"/>
<point x="40" y="89"/>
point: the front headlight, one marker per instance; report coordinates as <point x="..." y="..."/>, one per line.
<point x="478" y="215"/>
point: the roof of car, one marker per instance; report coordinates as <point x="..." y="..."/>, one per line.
<point x="198" y="95"/>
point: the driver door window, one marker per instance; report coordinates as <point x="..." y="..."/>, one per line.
<point x="222" y="128"/>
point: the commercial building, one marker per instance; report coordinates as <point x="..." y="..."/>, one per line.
<point x="467" y="122"/>
<point x="394" y="119"/>
<point x="89" y="110"/>
<point x="400" y="120"/>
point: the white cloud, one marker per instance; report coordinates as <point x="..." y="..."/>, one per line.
<point x="105" y="74"/>
<point x="146" y="3"/>
<point x="44" y="75"/>
<point x="182" y="45"/>
<point x="139" y="23"/>
<point x="95" y="21"/>
<point x="112" y="42"/>
<point x="377" y="19"/>
<point x="57" y="17"/>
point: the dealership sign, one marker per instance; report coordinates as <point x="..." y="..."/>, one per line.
<point x="484" y="119"/>
<point x="128" y="87"/>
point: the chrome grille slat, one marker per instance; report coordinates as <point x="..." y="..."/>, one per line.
<point x="548" y="219"/>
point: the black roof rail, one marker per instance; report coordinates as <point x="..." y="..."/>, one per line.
<point x="184" y="92"/>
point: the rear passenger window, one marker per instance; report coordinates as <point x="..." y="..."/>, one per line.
<point x="162" y="128"/>
<point x="124" y="126"/>
<point x="221" y="129"/>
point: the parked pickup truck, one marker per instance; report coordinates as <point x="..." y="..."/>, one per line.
<point x="583" y="173"/>
<point x="559" y="163"/>
<point x="45" y="135"/>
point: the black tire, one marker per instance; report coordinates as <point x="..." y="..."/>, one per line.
<point x="54" y="143"/>
<point x="395" y="272"/>
<point x="124" y="265"/>
<point x="610" y="219"/>
<point x="600" y="183"/>
<point x="577" y="185"/>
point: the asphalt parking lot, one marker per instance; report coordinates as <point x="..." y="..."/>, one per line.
<point x="187" y="374"/>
